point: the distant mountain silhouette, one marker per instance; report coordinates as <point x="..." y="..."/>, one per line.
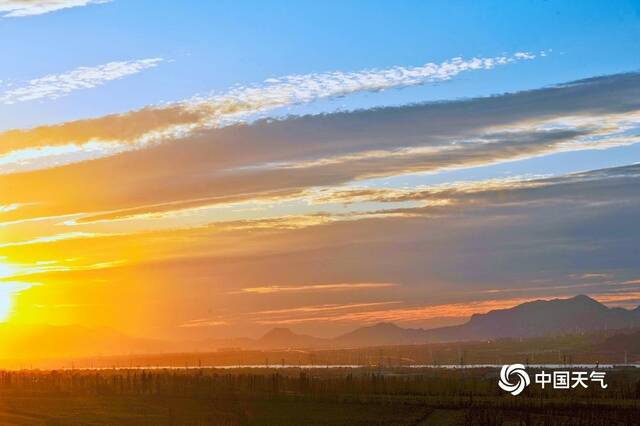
<point x="580" y="314"/>
<point x="283" y="338"/>
<point x="383" y="333"/>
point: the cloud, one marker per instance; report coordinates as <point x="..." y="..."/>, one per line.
<point x="22" y="8"/>
<point x="226" y="209"/>
<point x="295" y="155"/>
<point x="484" y="204"/>
<point x="51" y="239"/>
<point x="478" y="191"/>
<point x="419" y="313"/>
<point x="9" y="208"/>
<point x="435" y="195"/>
<point x="203" y="322"/>
<point x="47" y="267"/>
<point x="294" y="89"/>
<point x="495" y="245"/>
<point x="109" y="131"/>
<point x="401" y="315"/>
<point x="55" y="86"/>
<point x="315" y="287"/>
<point x="111" y="135"/>
<point x="315" y="313"/>
<point x="329" y="307"/>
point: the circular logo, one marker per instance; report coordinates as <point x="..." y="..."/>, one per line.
<point x="513" y="378"/>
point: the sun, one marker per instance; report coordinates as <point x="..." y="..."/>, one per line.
<point x="5" y="270"/>
<point x="8" y="289"/>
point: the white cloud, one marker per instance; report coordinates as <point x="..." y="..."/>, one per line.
<point x="21" y="8"/>
<point x="51" y="156"/>
<point x="57" y="85"/>
<point x="236" y="105"/>
<point x="294" y="89"/>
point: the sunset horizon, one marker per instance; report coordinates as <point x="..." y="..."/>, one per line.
<point x="392" y="190"/>
<point x="279" y="200"/>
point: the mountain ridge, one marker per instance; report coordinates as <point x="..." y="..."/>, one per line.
<point x="538" y="318"/>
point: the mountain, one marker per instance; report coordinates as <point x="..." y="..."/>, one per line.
<point x="379" y="335"/>
<point x="540" y="318"/>
<point x="283" y="338"/>
<point x="580" y="314"/>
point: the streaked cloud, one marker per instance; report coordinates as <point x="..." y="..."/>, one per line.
<point x="22" y="8"/>
<point x="315" y="288"/>
<point x="434" y="195"/>
<point x="52" y="267"/>
<point x="480" y="252"/>
<point x="403" y="315"/>
<point x="362" y="315"/>
<point x="9" y="207"/>
<point x="54" y="86"/>
<point x="180" y="119"/>
<point x="303" y="154"/>
<point x="51" y="238"/>
<point x="324" y="308"/>
<point x="282" y="218"/>
<point x="204" y="322"/>
<point x="294" y="89"/>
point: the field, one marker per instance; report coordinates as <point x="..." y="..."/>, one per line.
<point x="290" y="396"/>
<point x="592" y="348"/>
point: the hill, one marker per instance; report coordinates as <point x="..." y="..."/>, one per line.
<point x="283" y="338"/>
<point x="540" y="318"/>
<point x="580" y="314"/>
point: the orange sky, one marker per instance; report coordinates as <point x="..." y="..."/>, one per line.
<point x="182" y="228"/>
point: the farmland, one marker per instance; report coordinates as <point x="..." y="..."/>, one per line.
<point x="246" y="396"/>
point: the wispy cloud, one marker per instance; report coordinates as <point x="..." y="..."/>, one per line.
<point x="433" y="195"/>
<point x="408" y="314"/>
<point x="205" y="322"/>
<point x="496" y="242"/>
<point x="54" y="86"/>
<point x="180" y="119"/>
<point x="422" y="313"/>
<point x="21" y="8"/>
<point x="9" y="207"/>
<point x="316" y="287"/>
<point x="48" y="267"/>
<point x="51" y="239"/>
<point x="294" y="89"/>
<point x="328" y="307"/>
<point x="321" y="158"/>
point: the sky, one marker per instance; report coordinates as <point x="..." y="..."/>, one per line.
<point x="216" y="169"/>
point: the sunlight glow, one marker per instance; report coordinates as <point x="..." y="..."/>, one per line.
<point x="7" y="292"/>
<point x="8" y="289"/>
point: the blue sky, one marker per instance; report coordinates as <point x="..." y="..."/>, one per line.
<point x="211" y="46"/>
